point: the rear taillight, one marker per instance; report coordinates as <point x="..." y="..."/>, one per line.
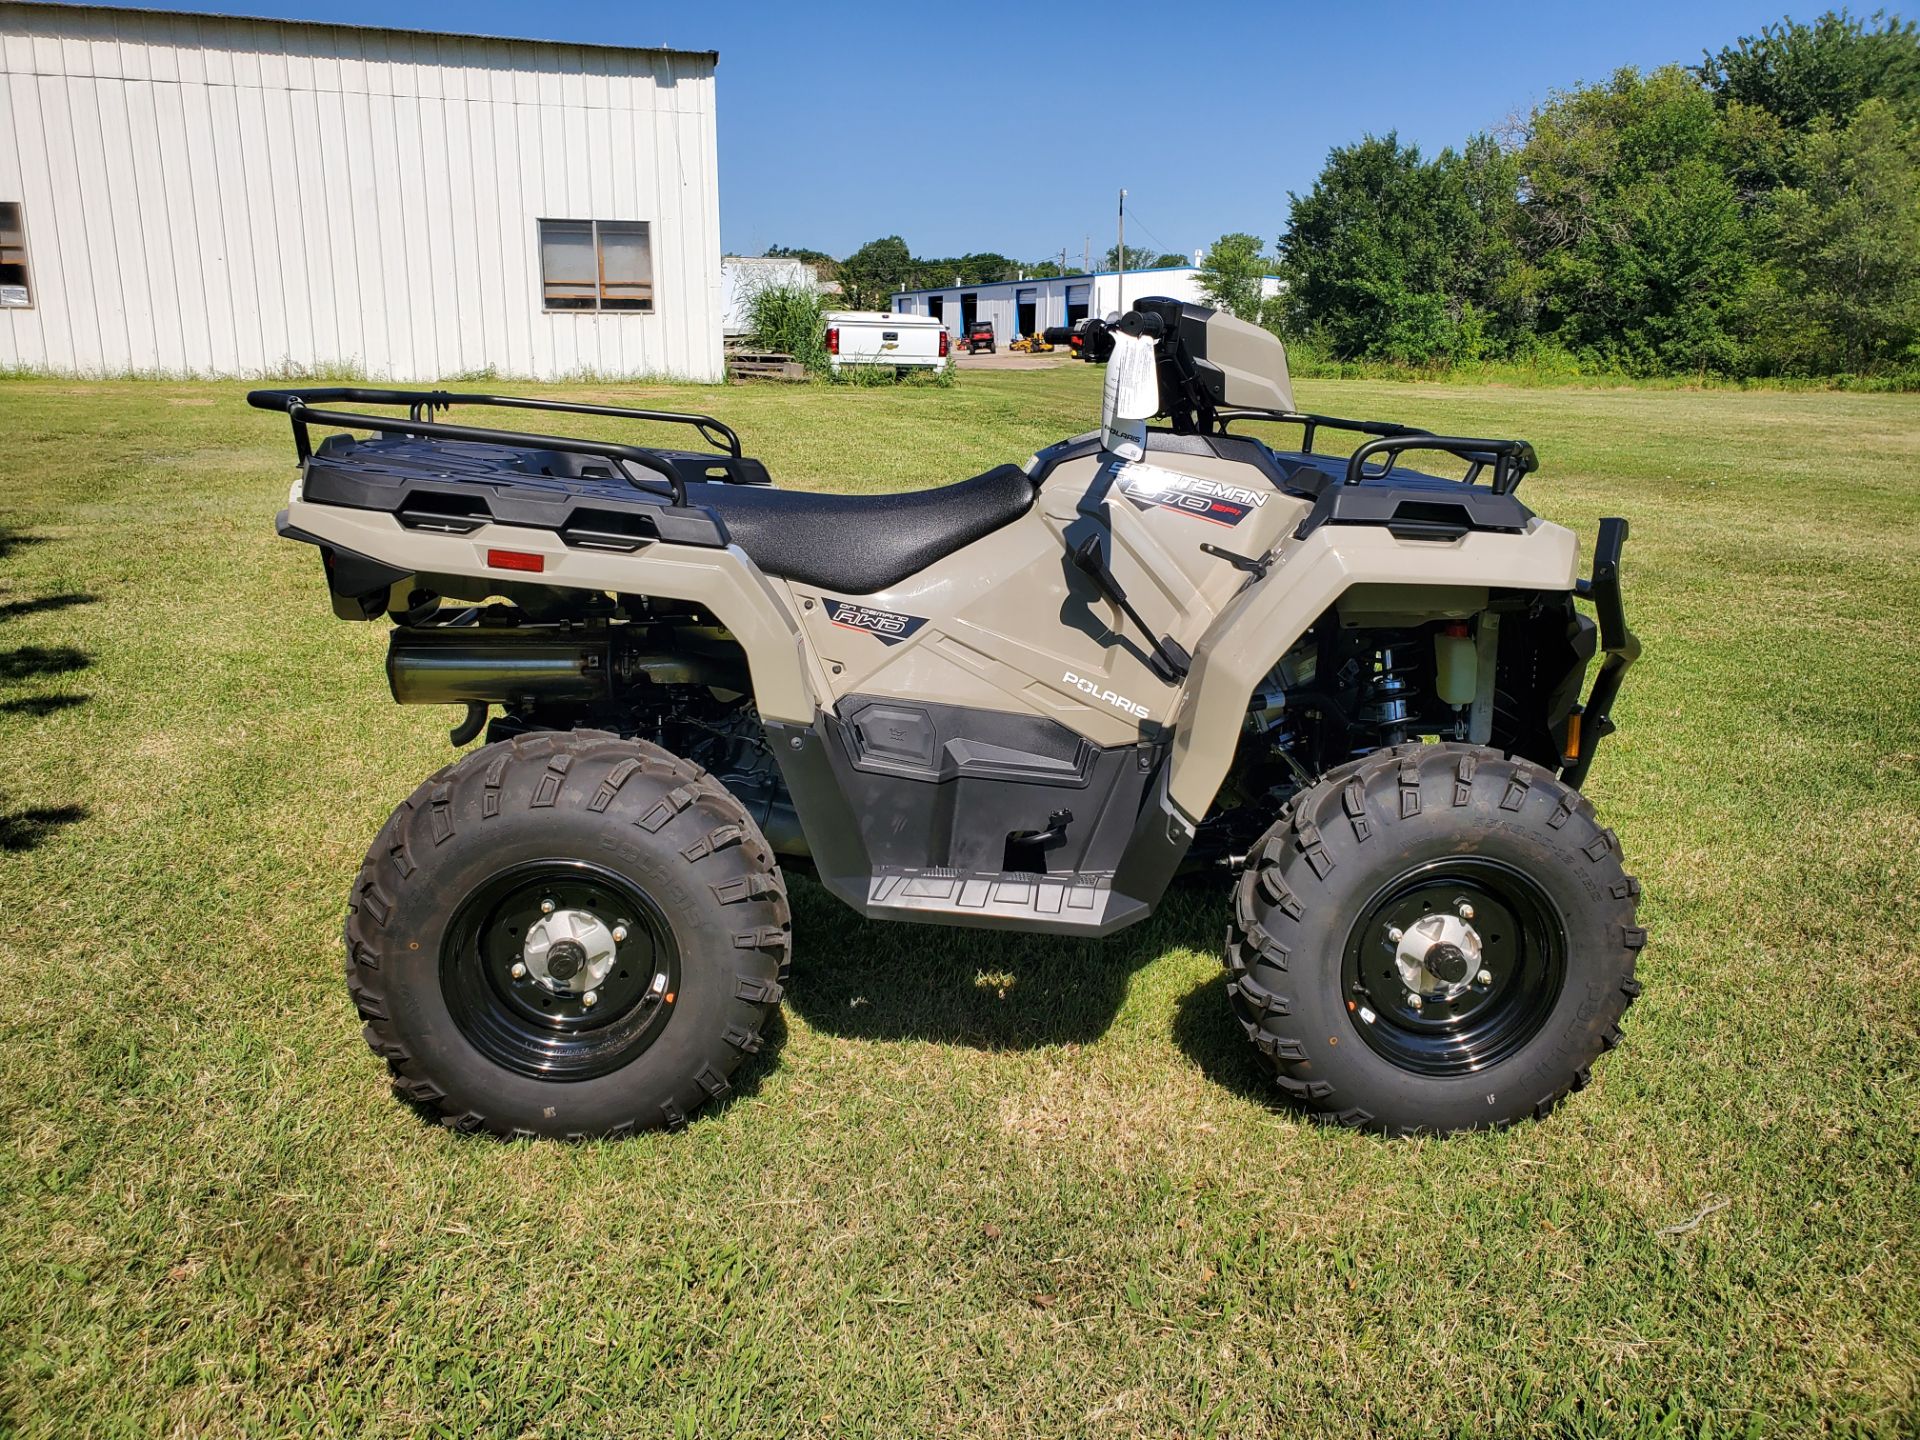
<point x="833" y="340"/>
<point x="944" y="341"/>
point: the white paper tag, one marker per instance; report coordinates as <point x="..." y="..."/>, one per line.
<point x="1133" y="387"/>
<point x="1129" y="396"/>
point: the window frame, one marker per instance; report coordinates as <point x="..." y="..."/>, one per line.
<point x="25" y="247"/>
<point x="599" y="284"/>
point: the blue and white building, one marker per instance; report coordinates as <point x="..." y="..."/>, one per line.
<point x="1019" y="307"/>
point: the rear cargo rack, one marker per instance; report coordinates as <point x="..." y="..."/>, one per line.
<point x="1510" y="459"/>
<point x="300" y="407"/>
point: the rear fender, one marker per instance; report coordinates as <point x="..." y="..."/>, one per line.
<point x="1308" y="578"/>
<point x="724" y="582"/>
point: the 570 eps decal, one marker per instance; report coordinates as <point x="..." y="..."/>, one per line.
<point x="889" y="627"/>
<point x="1149" y="486"/>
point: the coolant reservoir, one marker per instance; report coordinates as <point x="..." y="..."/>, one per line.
<point x="1456" y="664"/>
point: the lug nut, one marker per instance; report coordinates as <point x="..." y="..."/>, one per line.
<point x="1394" y="932"/>
<point x="619" y="933"/>
<point x="1485" y="977"/>
<point x="1414" y="1001"/>
<point x="546" y="907"/>
<point x="590" y="999"/>
<point x="1466" y="911"/>
<point x="519" y="971"/>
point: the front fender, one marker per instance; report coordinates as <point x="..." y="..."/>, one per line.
<point x="1308" y="577"/>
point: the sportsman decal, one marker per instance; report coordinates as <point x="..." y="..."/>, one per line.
<point x="1149" y="486"/>
<point x="887" y="626"/>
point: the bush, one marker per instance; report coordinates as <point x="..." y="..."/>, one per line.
<point x="790" y="320"/>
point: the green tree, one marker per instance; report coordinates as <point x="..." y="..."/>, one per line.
<point x="873" y="272"/>
<point x="1802" y="73"/>
<point x="1138" y="259"/>
<point x="981" y="268"/>
<point x="1637" y="249"/>
<point x="1231" y="273"/>
<point x="1843" y="290"/>
<point x="1394" y="257"/>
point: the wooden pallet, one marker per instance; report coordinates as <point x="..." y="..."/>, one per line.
<point x="764" y="365"/>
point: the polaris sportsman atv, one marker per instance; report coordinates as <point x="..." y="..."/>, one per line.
<point x="1022" y="701"/>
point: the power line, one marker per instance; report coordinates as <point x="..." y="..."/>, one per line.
<point x="1147" y="230"/>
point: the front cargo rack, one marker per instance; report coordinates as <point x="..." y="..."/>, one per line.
<point x="724" y="463"/>
<point x="1511" y="460"/>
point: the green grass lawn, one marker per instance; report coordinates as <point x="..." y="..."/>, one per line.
<point x="978" y="1185"/>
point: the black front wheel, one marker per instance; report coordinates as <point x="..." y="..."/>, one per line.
<point x="567" y="934"/>
<point x="1434" y="938"/>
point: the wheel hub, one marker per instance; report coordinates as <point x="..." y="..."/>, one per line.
<point x="1454" y="964"/>
<point x="568" y="952"/>
<point x="1438" y="956"/>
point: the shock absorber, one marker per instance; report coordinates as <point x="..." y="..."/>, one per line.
<point x="1384" y="709"/>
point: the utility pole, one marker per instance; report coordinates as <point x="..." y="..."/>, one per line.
<point x="1121" y="281"/>
<point x="1086" y="254"/>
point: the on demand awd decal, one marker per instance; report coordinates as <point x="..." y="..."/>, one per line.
<point x="1215" y="500"/>
<point x="887" y="626"/>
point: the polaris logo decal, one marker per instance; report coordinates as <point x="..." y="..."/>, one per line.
<point x="1119" y="702"/>
<point x="1148" y="486"/>
<point x="887" y="626"/>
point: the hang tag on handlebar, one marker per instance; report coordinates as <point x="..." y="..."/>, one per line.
<point x="1130" y="397"/>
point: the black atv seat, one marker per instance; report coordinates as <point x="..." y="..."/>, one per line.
<point x="857" y="544"/>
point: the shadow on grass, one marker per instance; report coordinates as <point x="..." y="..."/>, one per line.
<point x="989" y="989"/>
<point x="24" y="829"/>
<point x="26" y="661"/>
<point x="12" y="609"/>
<point x="12" y="540"/>
<point x="40" y="705"/>
<point x="1207" y="1033"/>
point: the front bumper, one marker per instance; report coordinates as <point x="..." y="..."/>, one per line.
<point x="1620" y="647"/>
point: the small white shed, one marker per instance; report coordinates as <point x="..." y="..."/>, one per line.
<point x="201" y="195"/>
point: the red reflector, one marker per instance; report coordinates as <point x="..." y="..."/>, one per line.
<point x="516" y="560"/>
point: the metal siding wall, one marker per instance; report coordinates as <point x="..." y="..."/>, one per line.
<point x="155" y="155"/>
<point x="999" y="309"/>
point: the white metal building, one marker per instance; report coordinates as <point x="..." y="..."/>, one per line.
<point x="1019" y="307"/>
<point x="198" y="195"/>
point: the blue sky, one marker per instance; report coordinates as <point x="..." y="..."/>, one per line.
<point x="1011" y="127"/>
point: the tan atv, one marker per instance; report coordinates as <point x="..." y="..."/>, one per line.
<point x="1023" y="701"/>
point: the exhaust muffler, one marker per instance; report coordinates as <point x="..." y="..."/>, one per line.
<point x="467" y="665"/>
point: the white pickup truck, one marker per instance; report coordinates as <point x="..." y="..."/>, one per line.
<point x="879" y="337"/>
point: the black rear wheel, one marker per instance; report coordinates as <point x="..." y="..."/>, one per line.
<point x="1434" y="938"/>
<point x="567" y="934"/>
<point x="606" y="959"/>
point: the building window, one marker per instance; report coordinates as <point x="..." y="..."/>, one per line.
<point x="16" y="292"/>
<point x="596" y="265"/>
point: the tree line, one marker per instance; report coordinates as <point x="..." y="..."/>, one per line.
<point x="1756" y="214"/>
